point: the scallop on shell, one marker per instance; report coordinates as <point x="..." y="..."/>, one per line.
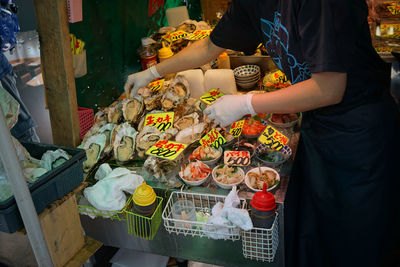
<point x="191" y="134"/>
<point x="187" y="121"/>
<point x="124" y="142"/>
<point x="132" y="108"/>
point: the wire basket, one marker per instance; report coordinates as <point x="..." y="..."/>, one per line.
<point x="260" y="244"/>
<point x="141" y="226"/>
<point x="196" y="225"/>
<point x="93" y="213"/>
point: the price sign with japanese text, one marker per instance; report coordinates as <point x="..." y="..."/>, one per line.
<point x="393" y="7"/>
<point x="166" y="149"/>
<point x="213" y="138"/>
<point x="211" y="96"/>
<point x="237" y="158"/>
<point x="199" y="35"/>
<point x="156" y="85"/>
<point x="236" y="128"/>
<point x="163" y="121"/>
<point x="175" y="36"/>
<point x="273" y="139"/>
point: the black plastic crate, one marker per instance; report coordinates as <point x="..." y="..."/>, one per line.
<point x="50" y="187"/>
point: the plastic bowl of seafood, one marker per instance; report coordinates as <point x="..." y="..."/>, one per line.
<point x="273" y="158"/>
<point x="209" y="155"/>
<point x="284" y="120"/>
<point x="194" y="173"/>
<point x="256" y="177"/>
<point x="226" y="176"/>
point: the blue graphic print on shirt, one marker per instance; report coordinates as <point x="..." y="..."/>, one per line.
<point x="277" y="45"/>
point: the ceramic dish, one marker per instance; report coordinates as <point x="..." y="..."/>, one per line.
<point x="286" y="154"/>
<point x="203" y="166"/>
<point x="285" y="125"/>
<point x="256" y="170"/>
<point x="246" y="70"/>
<point x="211" y="162"/>
<point x="227" y="186"/>
<point x="248" y="79"/>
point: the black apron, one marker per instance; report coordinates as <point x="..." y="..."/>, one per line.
<point x="342" y="206"/>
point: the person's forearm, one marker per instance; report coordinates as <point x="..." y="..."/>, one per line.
<point x="193" y="56"/>
<point x="323" y="89"/>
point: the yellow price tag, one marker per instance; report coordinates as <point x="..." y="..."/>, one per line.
<point x="211" y="96"/>
<point x="237" y="158"/>
<point x="213" y="138"/>
<point x="273" y="139"/>
<point x="279" y="77"/>
<point x="175" y="36"/>
<point x="156" y="85"/>
<point x="199" y="35"/>
<point x="394" y="9"/>
<point x="163" y="121"/>
<point x="236" y="128"/>
<point x="166" y="149"/>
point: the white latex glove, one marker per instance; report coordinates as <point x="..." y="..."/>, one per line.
<point x="140" y="79"/>
<point x="230" y="108"/>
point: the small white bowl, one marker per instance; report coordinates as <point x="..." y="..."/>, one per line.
<point x="213" y="161"/>
<point x="247" y="182"/>
<point x="246" y="70"/>
<point x="226" y="186"/>
<point x="195" y="183"/>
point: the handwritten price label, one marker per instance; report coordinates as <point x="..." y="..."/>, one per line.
<point x="273" y="139"/>
<point x="213" y="138"/>
<point x="394" y="9"/>
<point x="163" y="121"/>
<point x="156" y="85"/>
<point x="279" y="77"/>
<point x="236" y="128"/>
<point x="199" y="35"/>
<point x="166" y="149"/>
<point x="175" y="36"/>
<point x="211" y="96"/>
<point x="237" y="158"/>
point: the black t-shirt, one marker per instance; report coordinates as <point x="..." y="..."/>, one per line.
<point x="309" y="36"/>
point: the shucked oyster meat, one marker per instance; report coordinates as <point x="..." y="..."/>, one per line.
<point x="187" y="121"/>
<point x="124" y="142"/>
<point x="132" y="108"/>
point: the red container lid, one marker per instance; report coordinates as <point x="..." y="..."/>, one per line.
<point x="263" y="200"/>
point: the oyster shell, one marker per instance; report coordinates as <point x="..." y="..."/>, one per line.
<point x="52" y="159"/>
<point x="191" y="134"/>
<point x="94" y="130"/>
<point x="142" y="121"/>
<point x="108" y="130"/>
<point x="124" y="142"/>
<point x="176" y="93"/>
<point x="132" y="108"/>
<point x="100" y="116"/>
<point x="164" y="170"/>
<point x="114" y="112"/>
<point x="146" y="138"/>
<point x="94" y="147"/>
<point x="188" y="26"/>
<point x="187" y="121"/>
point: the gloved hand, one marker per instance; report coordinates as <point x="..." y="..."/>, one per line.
<point x="230" y="108"/>
<point x="140" y="79"/>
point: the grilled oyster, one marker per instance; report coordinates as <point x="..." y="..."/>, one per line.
<point x="124" y="142"/>
<point x="94" y="147"/>
<point x="187" y="121"/>
<point x="191" y="134"/>
<point x="132" y="108"/>
<point x="176" y="93"/>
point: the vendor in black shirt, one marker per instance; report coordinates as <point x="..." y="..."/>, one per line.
<point x="341" y="208"/>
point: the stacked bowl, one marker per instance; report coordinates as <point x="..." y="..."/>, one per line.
<point x="247" y="76"/>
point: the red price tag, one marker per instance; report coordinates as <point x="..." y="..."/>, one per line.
<point x="273" y="139"/>
<point x="163" y="121"/>
<point x="213" y="138"/>
<point x="166" y="149"/>
<point x="237" y="158"/>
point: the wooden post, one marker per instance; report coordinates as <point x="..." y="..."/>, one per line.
<point x="58" y="73"/>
